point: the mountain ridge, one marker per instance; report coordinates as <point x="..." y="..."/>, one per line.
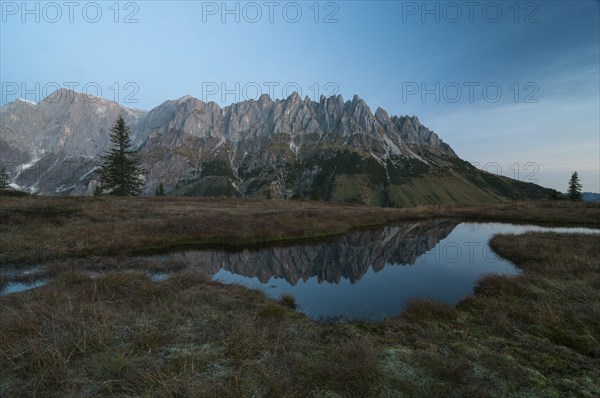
<point x="283" y="148"/>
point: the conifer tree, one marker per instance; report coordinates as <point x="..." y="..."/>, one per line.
<point x="120" y="170"/>
<point x="574" y="192"/>
<point x="160" y="191"/>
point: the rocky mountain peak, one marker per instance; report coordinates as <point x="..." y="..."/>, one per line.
<point x="382" y="116"/>
<point x="264" y="100"/>
<point x="185" y="99"/>
<point x="65" y="96"/>
<point x="294" y="97"/>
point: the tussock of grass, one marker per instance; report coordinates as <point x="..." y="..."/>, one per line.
<point x="288" y="300"/>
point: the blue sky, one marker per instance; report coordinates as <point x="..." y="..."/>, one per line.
<point x="511" y="86"/>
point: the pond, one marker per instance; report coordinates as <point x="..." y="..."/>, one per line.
<point x="368" y="274"/>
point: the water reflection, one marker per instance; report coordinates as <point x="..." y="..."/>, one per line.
<point x="348" y="257"/>
<point x="365" y="274"/>
<point x="373" y="274"/>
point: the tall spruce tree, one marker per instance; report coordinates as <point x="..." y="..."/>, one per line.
<point x="119" y="169"/>
<point x="574" y="187"/>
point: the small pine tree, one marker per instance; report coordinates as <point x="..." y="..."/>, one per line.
<point x="119" y="169"/>
<point x="574" y="192"/>
<point x="160" y="191"/>
<point x="4" y="179"/>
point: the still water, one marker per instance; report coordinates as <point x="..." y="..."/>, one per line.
<point x="371" y="274"/>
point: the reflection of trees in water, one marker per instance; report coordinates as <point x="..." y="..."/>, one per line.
<point x="348" y="257"/>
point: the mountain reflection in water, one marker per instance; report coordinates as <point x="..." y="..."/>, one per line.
<point x="366" y="274"/>
<point x="347" y="257"/>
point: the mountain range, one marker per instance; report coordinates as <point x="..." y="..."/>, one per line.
<point x="285" y="148"/>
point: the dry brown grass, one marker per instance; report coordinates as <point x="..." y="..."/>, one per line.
<point x="35" y="229"/>
<point x="124" y="335"/>
<point x="535" y="212"/>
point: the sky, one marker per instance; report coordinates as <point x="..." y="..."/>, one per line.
<point x="513" y="87"/>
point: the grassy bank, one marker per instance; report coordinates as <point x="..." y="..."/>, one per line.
<point x="121" y="334"/>
<point x="34" y="229"/>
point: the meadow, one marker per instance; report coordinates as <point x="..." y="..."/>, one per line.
<point x="119" y="333"/>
